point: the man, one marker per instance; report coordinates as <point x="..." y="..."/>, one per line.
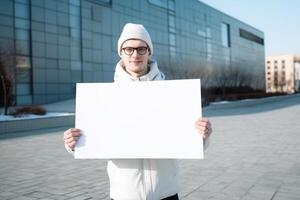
<point x="140" y="179"/>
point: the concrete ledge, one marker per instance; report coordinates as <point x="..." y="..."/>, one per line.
<point x="15" y="126"/>
<point x="249" y="102"/>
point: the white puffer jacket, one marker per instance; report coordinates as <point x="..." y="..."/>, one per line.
<point x="142" y="179"/>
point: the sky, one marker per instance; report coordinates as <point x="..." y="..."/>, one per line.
<point x="278" y="19"/>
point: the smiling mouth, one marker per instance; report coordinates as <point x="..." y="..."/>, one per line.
<point x="136" y="61"/>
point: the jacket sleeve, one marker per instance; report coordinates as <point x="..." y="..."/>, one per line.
<point x="69" y="150"/>
<point x="206" y="143"/>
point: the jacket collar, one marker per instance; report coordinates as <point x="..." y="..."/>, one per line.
<point x="153" y="74"/>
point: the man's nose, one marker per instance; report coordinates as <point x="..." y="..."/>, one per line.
<point x="135" y="53"/>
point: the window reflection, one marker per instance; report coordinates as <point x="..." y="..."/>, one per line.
<point x="23" y="69"/>
<point x="75" y="65"/>
<point x="171" y="23"/>
<point x="172" y="39"/>
<point x="21" y="23"/>
<point x="22" y="62"/>
<point x="21" y="34"/>
<point x="160" y="3"/>
<point x="74" y="10"/>
<point x="75" y="53"/>
<point x="171" y="4"/>
<point x="22" y="47"/>
<point x="23" y="1"/>
<point x="23" y="89"/>
<point x="21" y="10"/>
<point x="172" y="51"/>
<point x="225" y="35"/>
<point x="75" y="2"/>
<point x="75" y="33"/>
<point x="74" y="21"/>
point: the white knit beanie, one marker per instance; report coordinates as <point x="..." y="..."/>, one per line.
<point x="134" y="31"/>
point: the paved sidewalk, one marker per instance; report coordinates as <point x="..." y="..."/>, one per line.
<point x="251" y="156"/>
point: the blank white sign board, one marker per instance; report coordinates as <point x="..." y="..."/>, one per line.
<point x="153" y="119"/>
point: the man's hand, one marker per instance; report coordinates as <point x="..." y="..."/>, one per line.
<point x="71" y="136"/>
<point x="203" y="126"/>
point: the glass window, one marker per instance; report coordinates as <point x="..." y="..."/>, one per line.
<point x="23" y="69"/>
<point x="96" y="13"/>
<point x="172" y="51"/>
<point x="171" y="5"/>
<point x="75" y="33"/>
<point x="23" y="89"/>
<point x="172" y="23"/>
<point x="21" y="10"/>
<point x="209" y="51"/>
<point x="22" y="34"/>
<point x="208" y="32"/>
<point x="75" y="53"/>
<point x="201" y="33"/>
<point x="225" y="31"/>
<point x="21" y="23"/>
<point x="101" y="2"/>
<point x="160" y="3"/>
<point x="172" y="39"/>
<point x="74" y="21"/>
<point x="87" y="34"/>
<point x="250" y="36"/>
<point x="23" y="1"/>
<point x="74" y="10"/>
<point x="75" y="65"/>
<point x="22" y="47"/>
<point x="22" y="62"/>
<point x="75" y="2"/>
<point x="51" y="17"/>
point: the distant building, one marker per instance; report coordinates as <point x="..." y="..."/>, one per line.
<point x="283" y="74"/>
<point x="58" y="43"/>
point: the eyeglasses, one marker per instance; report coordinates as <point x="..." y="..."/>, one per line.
<point x="140" y="50"/>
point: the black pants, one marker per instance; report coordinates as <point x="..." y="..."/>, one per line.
<point x="174" y="197"/>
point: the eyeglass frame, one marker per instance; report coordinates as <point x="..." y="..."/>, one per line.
<point x="135" y="49"/>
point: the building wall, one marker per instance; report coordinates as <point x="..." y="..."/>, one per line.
<point x="280" y="74"/>
<point x="297" y="74"/>
<point x="62" y="42"/>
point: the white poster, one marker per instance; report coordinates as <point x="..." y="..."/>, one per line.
<point x="153" y="119"/>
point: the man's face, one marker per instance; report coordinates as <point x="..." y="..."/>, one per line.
<point x="135" y="56"/>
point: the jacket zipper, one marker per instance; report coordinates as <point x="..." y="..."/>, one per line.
<point x="144" y="179"/>
<point x="150" y="178"/>
<point x="147" y="179"/>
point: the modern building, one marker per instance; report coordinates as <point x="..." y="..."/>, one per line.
<point x="282" y="74"/>
<point x="58" y="43"/>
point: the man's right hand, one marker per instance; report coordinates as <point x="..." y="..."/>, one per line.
<point x="71" y="136"/>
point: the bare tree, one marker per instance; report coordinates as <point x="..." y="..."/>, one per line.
<point x="7" y="74"/>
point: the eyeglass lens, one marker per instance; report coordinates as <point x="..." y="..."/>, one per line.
<point x="140" y="50"/>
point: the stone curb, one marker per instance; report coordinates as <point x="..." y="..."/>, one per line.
<point x="249" y="102"/>
<point x="17" y="126"/>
